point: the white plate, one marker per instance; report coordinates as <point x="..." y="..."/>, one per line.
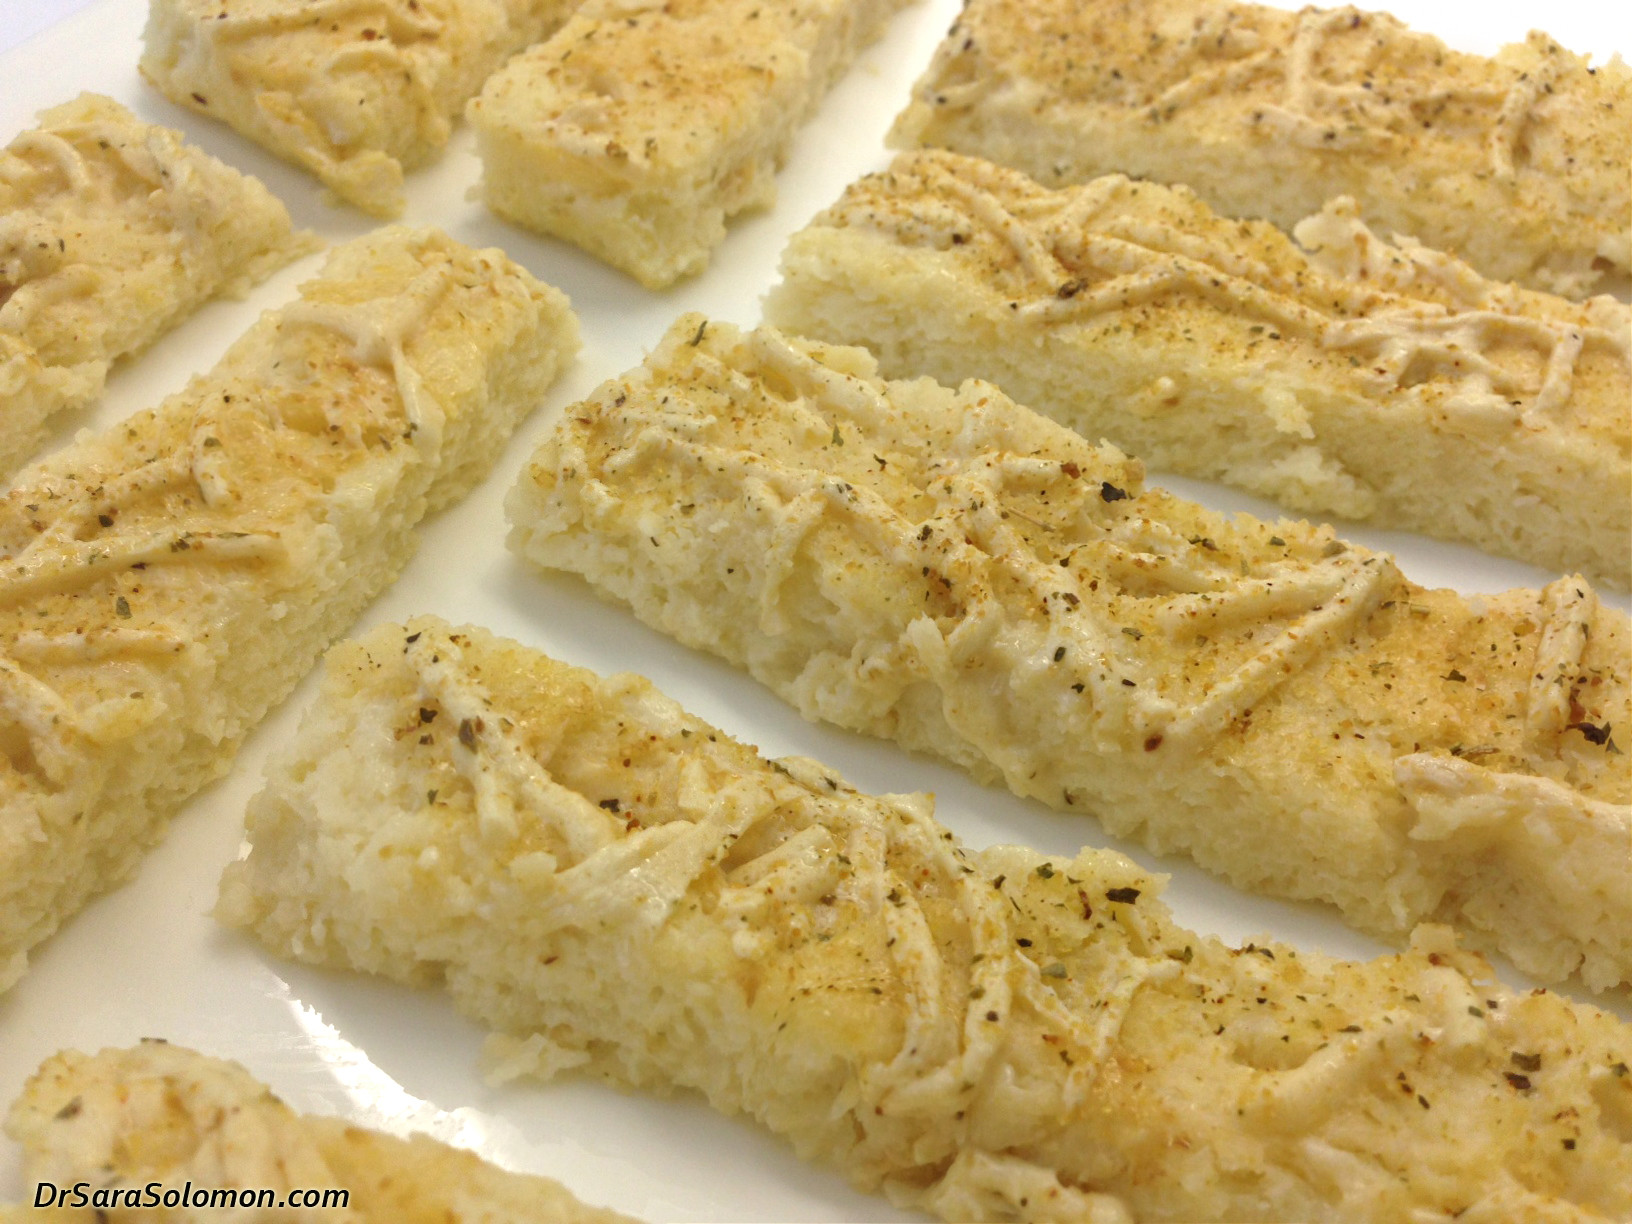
<point x="147" y="961"/>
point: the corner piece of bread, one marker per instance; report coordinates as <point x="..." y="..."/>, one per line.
<point x="353" y="93"/>
<point x="159" y="1119"/>
<point x="163" y="583"/>
<point x="1516" y="163"/>
<point x="1339" y="374"/>
<point x="614" y="885"/>
<point x="639" y="129"/>
<point x="952" y="571"/>
<point x="111" y="232"/>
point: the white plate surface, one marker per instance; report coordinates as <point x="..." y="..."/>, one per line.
<point x="147" y="961"/>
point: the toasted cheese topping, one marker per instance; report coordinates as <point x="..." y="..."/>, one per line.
<point x="353" y="91"/>
<point x="160" y="1119"/>
<point x="951" y="571"/>
<point x="1222" y="349"/>
<point x="614" y="885"/>
<point x="1515" y="162"/>
<point x="163" y="583"/>
<point x="111" y="232"/>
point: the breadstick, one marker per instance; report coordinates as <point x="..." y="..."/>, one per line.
<point x="1345" y="377"/>
<point x="162" y="584"/>
<point x="638" y="130"/>
<point x="1515" y="163"/>
<point x="614" y="885"/>
<point x="952" y="571"/>
<point x="354" y="92"/>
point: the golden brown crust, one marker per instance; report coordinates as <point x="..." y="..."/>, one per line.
<point x="1516" y="163"/>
